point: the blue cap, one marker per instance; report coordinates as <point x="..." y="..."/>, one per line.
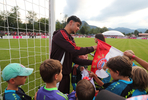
<point x="15" y="69"/>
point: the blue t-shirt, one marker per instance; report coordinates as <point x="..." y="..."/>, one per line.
<point x="107" y="79"/>
<point x="71" y="96"/>
<point x="138" y="92"/>
<point x="104" y="80"/>
<point x="50" y="94"/>
<point x="134" y="64"/>
<point x="11" y="95"/>
<point x="117" y="87"/>
<point x="15" y="95"/>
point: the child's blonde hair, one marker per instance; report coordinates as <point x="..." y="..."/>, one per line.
<point x="130" y="51"/>
<point x="140" y="78"/>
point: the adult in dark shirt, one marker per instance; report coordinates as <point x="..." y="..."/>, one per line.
<point x="65" y="50"/>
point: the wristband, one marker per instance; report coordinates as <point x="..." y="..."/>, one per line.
<point x="133" y="56"/>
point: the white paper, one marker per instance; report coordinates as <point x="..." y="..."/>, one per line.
<point x="85" y="73"/>
<point x="101" y="73"/>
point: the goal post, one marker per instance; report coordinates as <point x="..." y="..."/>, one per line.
<point x="51" y="21"/>
<point x="26" y="28"/>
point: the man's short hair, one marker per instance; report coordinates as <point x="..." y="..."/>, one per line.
<point x="49" y="68"/>
<point x="74" y="18"/>
<point x="122" y="64"/>
<point x="85" y="90"/>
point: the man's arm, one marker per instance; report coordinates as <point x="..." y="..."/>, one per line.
<point x="139" y="60"/>
<point x="82" y="62"/>
<point x="62" y="40"/>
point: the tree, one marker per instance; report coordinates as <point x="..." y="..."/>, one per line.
<point x="82" y="30"/>
<point x="103" y="29"/>
<point x="13" y="18"/>
<point x="98" y="29"/>
<point x="43" y="24"/>
<point x="58" y="25"/>
<point x="136" y="33"/>
<point x="129" y="34"/>
<point x="64" y="21"/>
<point x="124" y="33"/>
<point x="146" y="31"/>
<point x="85" y="29"/>
<point x="31" y="19"/>
<point x="92" y="31"/>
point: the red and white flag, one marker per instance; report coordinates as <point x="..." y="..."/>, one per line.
<point x="103" y="53"/>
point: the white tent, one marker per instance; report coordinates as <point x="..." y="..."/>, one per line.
<point x="112" y="33"/>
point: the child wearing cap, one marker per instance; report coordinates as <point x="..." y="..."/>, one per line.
<point x="15" y="75"/>
<point x="51" y="73"/>
<point x="120" y="68"/>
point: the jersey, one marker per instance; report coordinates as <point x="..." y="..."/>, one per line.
<point x="71" y="96"/>
<point x="64" y="49"/>
<point x="16" y="95"/>
<point x="133" y="64"/>
<point x="138" y="92"/>
<point x="50" y="94"/>
<point x="120" y="87"/>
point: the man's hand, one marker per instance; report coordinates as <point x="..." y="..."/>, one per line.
<point x="81" y="68"/>
<point x="95" y="47"/>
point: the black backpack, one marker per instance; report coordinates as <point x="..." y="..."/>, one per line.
<point x="21" y="94"/>
<point x="127" y="92"/>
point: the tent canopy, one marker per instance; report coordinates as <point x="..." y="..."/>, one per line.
<point x="113" y="33"/>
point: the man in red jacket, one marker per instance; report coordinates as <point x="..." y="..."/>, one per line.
<point x="65" y="50"/>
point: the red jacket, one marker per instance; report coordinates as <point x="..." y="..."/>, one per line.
<point x="63" y="43"/>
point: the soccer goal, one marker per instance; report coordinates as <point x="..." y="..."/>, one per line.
<point x="25" y="37"/>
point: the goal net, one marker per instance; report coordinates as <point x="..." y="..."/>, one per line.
<point x="25" y="35"/>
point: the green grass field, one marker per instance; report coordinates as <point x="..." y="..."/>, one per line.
<point x="32" y="52"/>
<point x="139" y="47"/>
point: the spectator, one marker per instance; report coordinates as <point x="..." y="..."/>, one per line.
<point x="140" y="81"/>
<point x="15" y="75"/>
<point x="100" y="37"/>
<point x="51" y="73"/>
<point x="120" y="69"/>
<point x="107" y="79"/>
<point x="84" y="91"/>
<point x="76" y="72"/>
<point x="65" y="50"/>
